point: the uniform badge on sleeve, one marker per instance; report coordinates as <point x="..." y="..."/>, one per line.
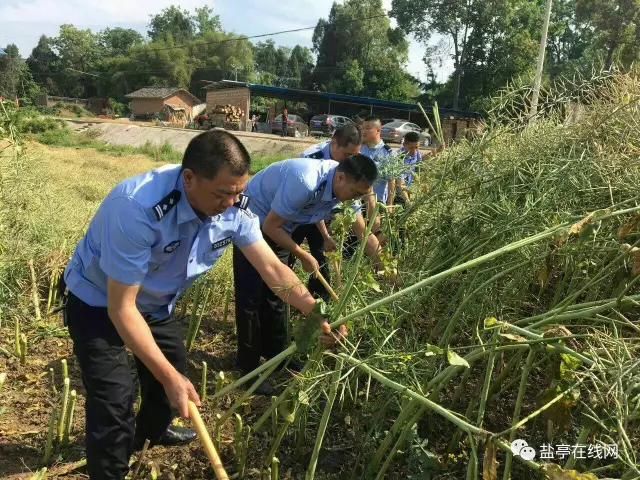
<point x="172" y="246"/>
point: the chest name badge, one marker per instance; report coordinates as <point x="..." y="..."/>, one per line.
<point x="172" y="246"/>
<point x="221" y="243"/>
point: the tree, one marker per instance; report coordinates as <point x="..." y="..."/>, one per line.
<point x="10" y="67"/>
<point x="172" y="22"/>
<point x="118" y="41"/>
<point x="42" y="64"/>
<point x="79" y="56"/>
<point x="354" y="78"/>
<point x="454" y="20"/>
<point x="359" y="31"/>
<point x="616" y="28"/>
<point x="205" y="21"/>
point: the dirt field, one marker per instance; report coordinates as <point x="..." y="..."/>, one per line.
<point x="74" y="183"/>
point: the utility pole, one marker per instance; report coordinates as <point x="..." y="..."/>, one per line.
<point x="538" y="79"/>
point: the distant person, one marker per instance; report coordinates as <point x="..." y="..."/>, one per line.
<point x="374" y="148"/>
<point x="254" y="122"/>
<point x="411" y="150"/>
<point x="285" y="122"/>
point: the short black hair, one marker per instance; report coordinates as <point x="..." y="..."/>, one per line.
<point x="348" y="135"/>
<point x="372" y="118"/>
<point x="213" y="150"/>
<point x="412" y="137"/>
<point x="359" y="168"/>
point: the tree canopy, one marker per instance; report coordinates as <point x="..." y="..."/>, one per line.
<point x="355" y="50"/>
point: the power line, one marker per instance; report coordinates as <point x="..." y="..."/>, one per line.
<point x="262" y="35"/>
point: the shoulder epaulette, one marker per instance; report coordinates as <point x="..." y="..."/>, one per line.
<point x="318" y="155"/>
<point x="242" y="203"/>
<point x="166" y="204"/>
<point x="387" y="148"/>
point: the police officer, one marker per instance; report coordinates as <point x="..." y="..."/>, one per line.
<point x="374" y="148"/>
<point x="411" y="150"/>
<point x="287" y="193"/>
<point x="345" y="142"/>
<point x="150" y="239"/>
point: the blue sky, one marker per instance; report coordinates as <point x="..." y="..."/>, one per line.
<point x="23" y="21"/>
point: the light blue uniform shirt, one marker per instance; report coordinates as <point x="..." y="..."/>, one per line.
<point x="410" y="162"/>
<point x="300" y="190"/>
<point x="319" y="151"/>
<point x="146" y="233"/>
<point x="378" y="154"/>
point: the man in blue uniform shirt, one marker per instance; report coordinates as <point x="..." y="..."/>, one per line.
<point x="285" y="194"/>
<point x="150" y="239"/>
<point x="345" y="142"/>
<point x="411" y="150"/>
<point x="374" y="148"/>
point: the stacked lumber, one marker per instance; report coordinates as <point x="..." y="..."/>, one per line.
<point x="232" y="114"/>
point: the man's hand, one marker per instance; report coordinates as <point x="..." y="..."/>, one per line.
<point x="376" y="225"/>
<point x="309" y="264"/>
<point x="329" y="244"/>
<point x="329" y="338"/>
<point x="382" y="239"/>
<point x="179" y="391"/>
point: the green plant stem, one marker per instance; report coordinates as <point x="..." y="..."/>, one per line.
<point x="245" y="450"/>
<point x="227" y="298"/>
<point x="406" y="430"/>
<point x="218" y="431"/>
<point x="69" y="417"/>
<point x="278" y="439"/>
<point x="487" y="380"/>
<point x="63" y="409"/>
<point x="52" y="379"/>
<point x="472" y="467"/>
<point x="203" y="384"/>
<point x="219" y="383"/>
<point x="399" y="423"/>
<point x="41" y="475"/>
<point x="65" y="369"/>
<point x="23" y="349"/>
<point x="275" y="463"/>
<point x="49" y="445"/>
<point x="248" y="393"/>
<point x="34" y="291"/>
<point x="196" y="318"/>
<point x="17" y="335"/>
<point x="238" y="439"/>
<point x="274" y="416"/>
<point x="324" y="421"/>
<point x="3" y="377"/>
<point x="448" y="415"/>
<point x="582" y="439"/>
<point x="517" y="409"/>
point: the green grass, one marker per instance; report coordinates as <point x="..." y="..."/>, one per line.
<point x="164" y="153"/>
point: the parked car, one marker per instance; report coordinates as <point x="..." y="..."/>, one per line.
<point x="295" y="126"/>
<point x="395" y="132"/>
<point x="327" y="124"/>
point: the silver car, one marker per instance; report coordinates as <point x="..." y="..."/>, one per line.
<point x="395" y="132"/>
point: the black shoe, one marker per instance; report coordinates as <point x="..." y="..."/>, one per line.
<point x="171" y="437"/>
<point x="265" y="389"/>
<point x="177" y="436"/>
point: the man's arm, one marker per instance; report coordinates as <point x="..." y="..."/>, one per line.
<point x="329" y="243"/>
<point x="391" y="186"/>
<point x="134" y="331"/>
<point x="284" y="283"/>
<point x="272" y="227"/>
<point x="372" y="246"/>
<point x="403" y="191"/>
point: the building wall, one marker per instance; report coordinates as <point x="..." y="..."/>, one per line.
<point x="182" y="99"/>
<point x="238" y="97"/>
<point x="141" y="106"/>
